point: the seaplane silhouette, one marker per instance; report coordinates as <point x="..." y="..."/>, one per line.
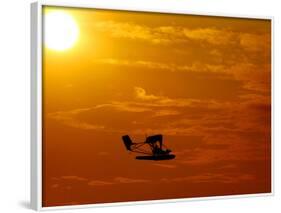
<point x="152" y="148"/>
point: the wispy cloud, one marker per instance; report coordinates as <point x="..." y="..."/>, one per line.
<point x="249" y="62"/>
<point x="99" y="183"/>
<point x="211" y="35"/>
<point x="194" y="67"/>
<point x="130" y="180"/>
<point x="170" y="34"/>
<point x="255" y="76"/>
<point x="132" y="31"/>
<point x="141" y="94"/>
<point x="73" y="177"/>
<point x="212" y="177"/>
<point x="164" y="165"/>
<point x="255" y="42"/>
<point x="69" y="118"/>
<point x="164" y="112"/>
<point x="209" y="117"/>
<point x="64" y="181"/>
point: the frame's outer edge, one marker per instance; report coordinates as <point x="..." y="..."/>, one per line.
<point x="36" y="102"/>
<point x="35" y="163"/>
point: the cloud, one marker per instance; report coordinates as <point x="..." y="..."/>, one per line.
<point x="254" y="76"/>
<point x="156" y="105"/>
<point x="212" y="177"/>
<point x="68" y="118"/>
<point x="249" y="62"/>
<point x="251" y="42"/>
<point x="129" y="180"/>
<point x="194" y="67"/>
<point x="151" y="100"/>
<point x="160" y="113"/>
<point x="132" y="31"/>
<point x="135" y="63"/>
<point x="239" y="126"/>
<point x="73" y="177"/>
<point x="211" y="35"/>
<point x="72" y="118"/>
<point x="168" y="166"/>
<point x="65" y="181"/>
<point x="141" y="94"/>
<point x="123" y="106"/>
<point x="255" y="42"/>
<point x="208" y="118"/>
<point x="117" y="180"/>
<point x="99" y="183"/>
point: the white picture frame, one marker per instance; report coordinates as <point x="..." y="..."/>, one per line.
<point x="36" y="102"/>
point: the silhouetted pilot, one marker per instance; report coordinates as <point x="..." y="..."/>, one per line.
<point x="154" y="139"/>
<point x="157" y="150"/>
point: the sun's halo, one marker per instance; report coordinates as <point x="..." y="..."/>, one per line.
<point x="60" y="30"/>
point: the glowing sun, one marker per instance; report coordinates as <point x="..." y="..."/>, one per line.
<point x="60" y="30"/>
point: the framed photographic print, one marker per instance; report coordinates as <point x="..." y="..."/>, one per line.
<point x="136" y="106"/>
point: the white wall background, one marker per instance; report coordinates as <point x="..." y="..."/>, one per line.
<point x="15" y="107"/>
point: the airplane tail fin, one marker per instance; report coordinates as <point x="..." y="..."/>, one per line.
<point x="127" y="142"/>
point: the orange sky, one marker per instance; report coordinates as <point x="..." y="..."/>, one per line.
<point x="203" y="82"/>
